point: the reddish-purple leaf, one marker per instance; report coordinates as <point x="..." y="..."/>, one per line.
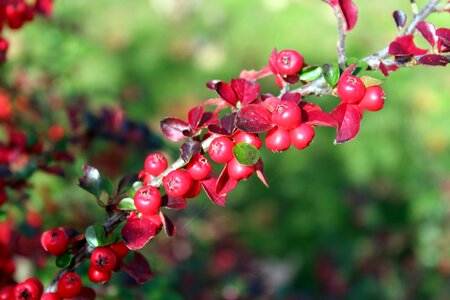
<point x="126" y="182"/>
<point x="404" y="46"/>
<point x="227" y="123"/>
<point x="349" y="10"/>
<point x="246" y="91"/>
<point x="167" y="224"/>
<point x="137" y="232"/>
<point x="175" y="129"/>
<point x="195" y="116"/>
<point x="428" y="31"/>
<point x="138" y="268"/>
<point x="385" y="69"/>
<point x="312" y="114"/>
<point x="271" y="103"/>
<point x="255" y="75"/>
<point x="292" y="79"/>
<point x="400" y="18"/>
<point x="433" y="60"/>
<point x="225" y="91"/>
<point x="348" y="120"/>
<point x="444" y="35"/>
<point x="207" y="119"/>
<point x="224" y="183"/>
<point x="213" y="128"/>
<point x="176" y="203"/>
<point x="259" y="168"/>
<point x="254" y="118"/>
<point x="209" y="186"/>
<point x="86" y="294"/>
<point x="189" y="149"/>
<point x="273" y="61"/>
<point x="294" y="97"/>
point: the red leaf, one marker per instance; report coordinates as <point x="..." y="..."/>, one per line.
<point x="189" y="149"/>
<point x="176" y="203"/>
<point x="433" y="60"/>
<point x="404" y="46"/>
<point x="207" y="119"/>
<point x="444" y="35"/>
<point x="255" y="75"/>
<point x="349" y="10"/>
<point x="167" y="224"/>
<point x="259" y="168"/>
<point x="254" y="118"/>
<point x="428" y="31"/>
<point x="348" y="120"/>
<point x="138" y="268"/>
<point x="209" y="186"/>
<point x="245" y="90"/>
<point x="271" y="103"/>
<point x="175" y="129"/>
<point x="194" y="117"/>
<point x="224" y="183"/>
<point x="294" y="97"/>
<point x="86" y="294"/>
<point x="273" y="61"/>
<point x="227" y="123"/>
<point x="314" y="115"/>
<point x="225" y="91"/>
<point x="137" y="232"/>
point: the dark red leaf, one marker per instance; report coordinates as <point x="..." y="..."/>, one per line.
<point x="349" y="10"/>
<point x="314" y="115"/>
<point x="86" y="294"/>
<point x="444" y="35"/>
<point x="137" y="232"/>
<point x="175" y="129"/>
<point x="254" y="118"/>
<point x="255" y="75"/>
<point x="225" y="91"/>
<point x="428" y="31"/>
<point x="138" y="268"/>
<point x="294" y="97"/>
<point x="209" y="186"/>
<point x="350" y="69"/>
<point x="195" y="116"/>
<point x="224" y="183"/>
<point x="189" y="149"/>
<point x="217" y="129"/>
<point x="54" y="170"/>
<point x="176" y="203"/>
<point x="400" y="18"/>
<point x="245" y="90"/>
<point x="348" y="120"/>
<point x="227" y="123"/>
<point x="207" y="119"/>
<point x="404" y="46"/>
<point x="167" y="224"/>
<point x="126" y="182"/>
<point x="259" y="168"/>
<point x="273" y="61"/>
<point x="292" y="79"/>
<point x="271" y="103"/>
<point x="433" y="60"/>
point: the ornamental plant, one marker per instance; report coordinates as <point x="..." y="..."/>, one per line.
<point x="224" y="133"/>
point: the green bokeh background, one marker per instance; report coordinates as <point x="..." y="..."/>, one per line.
<point x="385" y="194"/>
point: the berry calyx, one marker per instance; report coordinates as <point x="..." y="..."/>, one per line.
<point x="221" y="149"/>
<point x="177" y="183"/>
<point x="277" y="140"/>
<point x="249" y="138"/>
<point x="69" y="285"/>
<point x="103" y="259"/>
<point x="147" y="200"/>
<point x="55" y="241"/>
<point x="289" y="62"/>
<point x="373" y="99"/>
<point x="238" y="171"/>
<point x="26" y="290"/>
<point x="96" y="276"/>
<point x="302" y="136"/>
<point x="287" y="115"/>
<point x="199" y="167"/>
<point x="350" y="89"/>
<point x="155" y="163"/>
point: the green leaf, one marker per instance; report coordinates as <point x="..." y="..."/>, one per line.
<point x="137" y="185"/>
<point x="331" y="74"/>
<point x="246" y="154"/>
<point x="310" y="73"/>
<point x="107" y="186"/>
<point x="91" y="180"/>
<point x="64" y="260"/>
<point x="126" y="204"/>
<point x="95" y="235"/>
<point x="361" y="66"/>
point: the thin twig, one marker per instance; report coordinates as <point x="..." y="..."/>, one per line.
<point x="342" y="58"/>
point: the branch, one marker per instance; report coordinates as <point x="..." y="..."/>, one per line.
<point x="342" y="58"/>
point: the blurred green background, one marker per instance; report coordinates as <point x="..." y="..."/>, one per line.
<point x="365" y="220"/>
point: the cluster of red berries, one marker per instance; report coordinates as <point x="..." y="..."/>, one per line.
<point x="105" y="260"/>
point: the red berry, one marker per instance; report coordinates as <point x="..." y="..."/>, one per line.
<point x="287" y="115"/>
<point x="199" y="167"/>
<point x="373" y="99"/>
<point x="97" y="276"/>
<point x="69" y="285"/>
<point x="7" y="293"/>
<point x="221" y="149"/>
<point x="177" y="183"/>
<point x="249" y="138"/>
<point x="145" y="177"/>
<point x="194" y="190"/>
<point x="277" y="140"/>
<point x="155" y="163"/>
<point x="37" y="283"/>
<point x="289" y="62"/>
<point x="350" y="89"/>
<point x="238" y="171"/>
<point x="103" y="259"/>
<point x="302" y="136"/>
<point x="120" y="249"/>
<point x="147" y="200"/>
<point x="26" y="290"/>
<point x="56" y="133"/>
<point x="55" y="241"/>
<point x="50" y="296"/>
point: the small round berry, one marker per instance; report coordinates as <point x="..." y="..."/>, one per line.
<point x="277" y="140"/>
<point x="7" y="293"/>
<point x="147" y="200"/>
<point x="103" y="259"/>
<point x="37" y="283"/>
<point x="289" y="62"/>
<point x="373" y="99"/>
<point x="155" y="163"/>
<point x="26" y="290"/>
<point x="302" y="136"/>
<point x="238" y="171"/>
<point x="249" y="138"/>
<point x="221" y="149"/>
<point x="69" y="285"/>
<point x="50" y="296"/>
<point x="177" y="183"/>
<point x="199" y="167"/>
<point x="55" y="241"/>
<point x="97" y="276"/>
<point x="194" y="191"/>
<point x="350" y="89"/>
<point x="287" y="115"/>
<point x="120" y="249"/>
